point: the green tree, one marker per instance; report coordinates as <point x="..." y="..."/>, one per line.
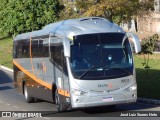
<point x="114" y="10"/>
<point x="18" y="16"/>
<point x="148" y="45"/>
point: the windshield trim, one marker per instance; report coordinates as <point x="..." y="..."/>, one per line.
<point x="82" y="76"/>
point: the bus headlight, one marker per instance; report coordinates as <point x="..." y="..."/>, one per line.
<point x="132" y="88"/>
<point x="79" y="92"/>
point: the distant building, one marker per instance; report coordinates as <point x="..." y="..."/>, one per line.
<point x="150" y="23"/>
<point x="146" y="24"/>
<point x="157" y="6"/>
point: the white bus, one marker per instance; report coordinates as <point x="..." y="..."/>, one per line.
<point x="76" y="63"/>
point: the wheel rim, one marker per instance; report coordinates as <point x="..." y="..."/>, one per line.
<point x="56" y="100"/>
<point x="25" y="93"/>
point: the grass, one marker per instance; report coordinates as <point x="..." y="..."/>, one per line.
<point x="6" y="52"/>
<point x="148" y="81"/>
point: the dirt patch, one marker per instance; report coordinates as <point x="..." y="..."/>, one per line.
<point x="153" y="56"/>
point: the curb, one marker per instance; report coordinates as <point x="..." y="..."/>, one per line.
<point x="5" y="68"/>
<point x="148" y="101"/>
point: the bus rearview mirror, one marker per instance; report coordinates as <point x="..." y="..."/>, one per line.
<point x="133" y="38"/>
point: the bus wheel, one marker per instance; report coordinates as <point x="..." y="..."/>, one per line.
<point x="60" y="106"/>
<point x="27" y="97"/>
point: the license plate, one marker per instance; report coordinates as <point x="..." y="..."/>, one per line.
<point x="107" y="98"/>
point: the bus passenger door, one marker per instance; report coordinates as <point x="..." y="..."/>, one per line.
<point x="60" y="69"/>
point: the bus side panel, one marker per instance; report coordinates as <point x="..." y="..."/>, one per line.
<point x="62" y="84"/>
<point x="44" y="72"/>
<point x="38" y="90"/>
<point x="21" y="79"/>
<point x="38" y="83"/>
<point x="62" y="81"/>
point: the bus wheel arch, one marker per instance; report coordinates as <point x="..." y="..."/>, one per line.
<point x="61" y="107"/>
<point x="54" y="88"/>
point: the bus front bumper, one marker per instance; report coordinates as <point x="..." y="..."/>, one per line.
<point x="103" y="100"/>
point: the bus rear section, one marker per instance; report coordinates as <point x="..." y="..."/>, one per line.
<point x="101" y="70"/>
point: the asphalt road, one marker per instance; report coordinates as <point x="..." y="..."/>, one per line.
<point x="10" y="100"/>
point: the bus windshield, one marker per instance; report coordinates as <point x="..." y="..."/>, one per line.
<point x="101" y="56"/>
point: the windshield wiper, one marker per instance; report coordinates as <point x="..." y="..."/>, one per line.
<point x="122" y="69"/>
<point x="105" y="67"/>
<point x="93" y="67"/>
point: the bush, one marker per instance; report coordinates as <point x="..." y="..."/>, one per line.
<point x="148" y="45"/>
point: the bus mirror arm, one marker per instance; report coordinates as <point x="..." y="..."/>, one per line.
<point x="133" y="38"/>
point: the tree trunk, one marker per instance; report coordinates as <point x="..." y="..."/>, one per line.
<point x="147" y="66"/>
<point x="144" y="60"/>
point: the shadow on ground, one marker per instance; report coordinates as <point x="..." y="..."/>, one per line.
<point x="148" y="82"/>
<point x="106" y="111"/>
<point x="4" y="79"/>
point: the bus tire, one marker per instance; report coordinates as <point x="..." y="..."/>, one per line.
<point x="27" y="97"/>
<point x="54" y="88"/>
<point x="60" y="106"/>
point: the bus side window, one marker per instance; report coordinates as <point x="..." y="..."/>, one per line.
<point x="39" y="49"/>
<point x="25" y="49"/>
<point x="56" y="54"/>
<point x="34" y="48"/>
<point x="64" y="63"/>
<point x="21" y="49"/>
<point x="15" y="49"/>
<point x="43" y="49"/>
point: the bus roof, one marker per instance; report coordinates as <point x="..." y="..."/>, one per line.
<point x="73" y="27"/>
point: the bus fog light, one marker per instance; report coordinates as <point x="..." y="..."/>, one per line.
<point x="132" y="88"/>
<point x="79" y="92"/>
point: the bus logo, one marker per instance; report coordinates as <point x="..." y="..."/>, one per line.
<point x="102" y="85"/>
<point x="105" y="85"/>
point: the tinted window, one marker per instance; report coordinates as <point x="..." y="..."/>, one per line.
<point x="101" y="56"/>
<point x="39" y="49"/>
<point x="21" y="49"/>
<point x="56" y="54"/>
<point x="64" y="64"/>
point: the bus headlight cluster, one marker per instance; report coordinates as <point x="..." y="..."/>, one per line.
<point x="79" y="92"/>
<point x="132" y="88"/>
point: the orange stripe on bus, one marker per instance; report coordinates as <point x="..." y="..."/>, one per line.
<point x="32" y="76"/>
<point x="63" y="92"/>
